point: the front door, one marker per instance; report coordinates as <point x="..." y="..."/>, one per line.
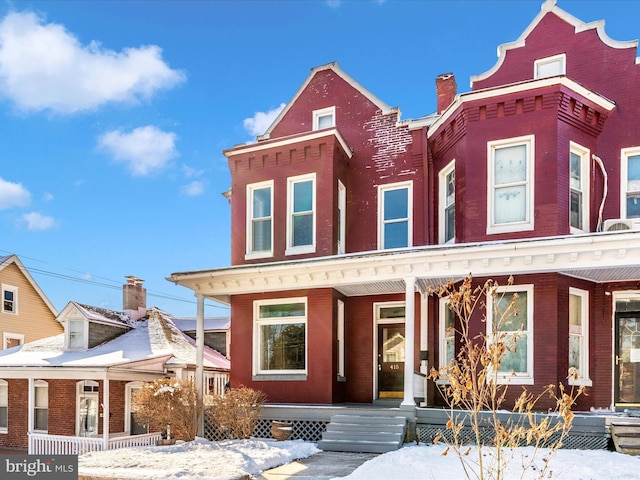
<point x="627" y="359"/>
<point x="391" y="360"/>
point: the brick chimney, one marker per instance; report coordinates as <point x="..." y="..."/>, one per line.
<point x="446" y="90"/>
<point x="134" y="298"/>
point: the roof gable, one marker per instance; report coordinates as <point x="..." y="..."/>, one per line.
<point x="7" y="260"/>
<point x="335" y="69"/>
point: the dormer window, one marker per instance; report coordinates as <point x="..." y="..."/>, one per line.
<point x="550" y="66"/>
<point x="324" y="118"/>
<point x="76" y="337"/>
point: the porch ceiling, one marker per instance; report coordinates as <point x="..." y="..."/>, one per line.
<point x="600" y="257"/>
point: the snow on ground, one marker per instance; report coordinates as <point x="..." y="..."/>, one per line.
<point x="231" y="459"/>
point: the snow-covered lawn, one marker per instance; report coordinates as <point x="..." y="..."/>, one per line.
<point x="231" y="459"/>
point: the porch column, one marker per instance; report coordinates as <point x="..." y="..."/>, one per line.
<point x="409" y="340"/>
<point x="200" y="357"/>
<point x="30" y="404"/>
<point x="105" y="412"/>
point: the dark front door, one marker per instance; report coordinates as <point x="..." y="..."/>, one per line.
<point x="391" y="360"/>
<point x="627" y="359"/>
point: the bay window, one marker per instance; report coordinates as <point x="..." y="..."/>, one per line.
<point x="301" y="207"/>
<point x="578" y="189"/>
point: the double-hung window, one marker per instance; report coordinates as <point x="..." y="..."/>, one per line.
<point x="280" y="336"/>
<point x="630" y="201"/>
<point x="342" y="217"/>
<point x="260" y="220"/>
<point x="579" y="335"/>
<point x="395" y="207"/>
<point x="9" y="299"/>
<point x="447" y="217"/>
<point x="4" y="406"/>
<point x="324" y="118"/>
<point x="41" y="406"/>
<point x="510" y="320"/>
<point x="510" y="200"/>
<point x="301" y="207"/>
<point x="578" y="188"/>
<point x="447" y="333"/>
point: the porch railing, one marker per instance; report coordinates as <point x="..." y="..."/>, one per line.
<point x="45" y="444"/>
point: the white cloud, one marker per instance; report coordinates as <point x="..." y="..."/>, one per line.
<point x="190" y="172"/>
<point x="193" y="189"/>
<point x="260" y="121"/>
<point x="144" y="150"/>
<point x="13" y="195"/>
<point x="47" y="197"/>
<point x="37" y="221"/>
<point x="44" y="67"/>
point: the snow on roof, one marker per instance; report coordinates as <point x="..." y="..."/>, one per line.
<point x="151" y="338"/>
<point x="210" y="323"/>
<point x="103" y="315"/>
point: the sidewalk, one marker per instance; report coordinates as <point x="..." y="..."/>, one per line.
<point x="323" y="466"/>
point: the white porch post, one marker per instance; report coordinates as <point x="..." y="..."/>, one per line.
<point x="200" y="356"/>
<point x="409" y="340"/>
<point x="31" y="402"/>
<point x="105" y="412"/>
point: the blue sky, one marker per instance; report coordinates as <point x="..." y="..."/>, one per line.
<point x="114" y="115"/>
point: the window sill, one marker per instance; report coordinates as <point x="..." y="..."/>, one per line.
<point x="300" y="250"/>
<point x="4" y="430"/>
<point x="280" y="377"/>
<point x="257" y="255"/>
<point x="581" y="382"/>
<point x="510" y="227"/>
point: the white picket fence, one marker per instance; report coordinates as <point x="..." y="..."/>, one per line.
<point x="44" y="444"/>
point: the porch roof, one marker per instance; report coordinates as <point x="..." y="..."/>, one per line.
<point x="597" y="257"/>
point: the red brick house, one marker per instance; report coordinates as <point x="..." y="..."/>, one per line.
<point x="343" y="216"/>
<point x="72" y="392"/>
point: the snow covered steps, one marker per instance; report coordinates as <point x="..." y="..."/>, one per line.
<point x="626" y="437"/>
<point x="363" y="433"/>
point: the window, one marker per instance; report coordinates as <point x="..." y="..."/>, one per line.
<point x="9" y="299"/>
<point x="517" y="325"/>
<point x="280" y="342"/>
<point x="550" y="66"/>
<point x="87" y="405"/>
<point x="342" y="217"/>
<point x="395" y="207"/>
<point x="510" y="199"/>
<point x="76" y="333"/>
<point x="10" y="340"/>
<point x="579" y="189"/>
<point x="447" y="333"/>
<point x="630" y="201"/>
<point x="447" y="218"/>
<point x="41" y="406"/>
<point x="260" y="220"/>
<point x="301" y="206"/>
<point x="324" y="118"/>
<point x="4" y="406"/>
<point x="579" y="335"/>
<point x="340" y="340"/>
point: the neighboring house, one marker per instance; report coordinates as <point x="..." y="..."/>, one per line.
<point x="26" y="314"/>
<point x="72" y="392"/>
<point x="343" y="216"/>
<point x="216" y="332"/>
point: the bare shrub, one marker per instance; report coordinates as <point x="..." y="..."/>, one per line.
<point x="235" y="413"/>
<point x="475" y="388"/>
<point x="170" y="402"/>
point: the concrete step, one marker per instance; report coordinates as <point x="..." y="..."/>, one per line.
<point x="626" y="437"/>
<point x="363" y="433"/>
<point x="357" y="446"/>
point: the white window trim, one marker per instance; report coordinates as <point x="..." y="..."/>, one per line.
<point x="39" y="384"/>
<point x="6" y="336"/>
<point x="5" y="403"/>
<point x="526" y="378"/>
<point x="80" y="393"/>
<point x="528" y="223"/>
<point x="302" y="249"/>
<point x="395" y="186"/>
<point x="129" y="388"/>
<point x="583" y="378"/>
<point x="561" y="59"/>
<point x="257" y="323"/>
<point x="341" y="339"/>
<point x="249" y="253"/>
<point x="585" y="180"/>
<point x="317" y="114"/>
<point x="11" y="288"/>
<point x="85" y="333"/>
<point x="624" y="171"/>
<point x="442" y="204"/>
<point x="443" y="306"/>
<point x="342" y="221"/>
